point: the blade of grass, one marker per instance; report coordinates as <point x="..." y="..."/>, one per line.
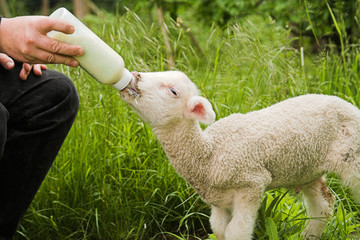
<point x="340" y="37"/>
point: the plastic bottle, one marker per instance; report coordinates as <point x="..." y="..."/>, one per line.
<point x="99" y="60"/>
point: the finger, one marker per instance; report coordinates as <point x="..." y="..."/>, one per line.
<point x="37" y="69"/>
<point x="43" y="66"/>
<point x="51" y="45"/>
<point x="6" y="61"/>
<point x="49" y="24"/>
<point x="42" y="57"/>
<point x="25" y="71"/>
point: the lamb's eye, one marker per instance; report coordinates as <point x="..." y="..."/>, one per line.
<point x="173" y="91"/>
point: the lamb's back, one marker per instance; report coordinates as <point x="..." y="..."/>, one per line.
<point x="288" y="141"/>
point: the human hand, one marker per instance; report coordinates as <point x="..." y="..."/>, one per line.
<point x="8" y="63"/>
<point x="25" y="39"/>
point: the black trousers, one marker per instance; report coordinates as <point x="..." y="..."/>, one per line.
<point x="35" y="117"/>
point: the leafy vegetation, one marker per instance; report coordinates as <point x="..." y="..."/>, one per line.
<point x="309" y="19"/>
<point x="112" y="180"/>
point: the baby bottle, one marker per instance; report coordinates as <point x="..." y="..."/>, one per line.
<point x="99" y="60"/>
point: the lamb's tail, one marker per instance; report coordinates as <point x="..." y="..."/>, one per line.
<point x="345" y="155"/>
<point x="352" y="180"/>
<point x="349" y="173"/>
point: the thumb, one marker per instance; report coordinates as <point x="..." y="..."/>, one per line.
<point x="6" y="61"/>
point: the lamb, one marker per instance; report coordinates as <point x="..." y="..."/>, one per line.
<point x="231" y="163"/>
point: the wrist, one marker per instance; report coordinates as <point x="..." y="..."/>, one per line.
<point x="2" y="34"/>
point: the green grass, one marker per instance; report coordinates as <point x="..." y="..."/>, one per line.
<point x="112" y="180"/>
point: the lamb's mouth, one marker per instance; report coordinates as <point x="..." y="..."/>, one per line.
<point x="132" y="88"/>
<point x="133" y="92"/>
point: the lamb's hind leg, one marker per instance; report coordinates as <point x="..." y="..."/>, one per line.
<point x="319" y="203"/>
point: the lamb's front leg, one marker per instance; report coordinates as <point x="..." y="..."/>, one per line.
<point x="245" y="206"/>
<point x="219" y="219"/>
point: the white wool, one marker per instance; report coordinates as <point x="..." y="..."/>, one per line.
<point x="234" y="161"/>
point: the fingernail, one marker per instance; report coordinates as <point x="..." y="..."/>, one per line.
<point x="9" y="65"/>
<point x="72" y="29"/>
<point x="80" y="52"/>
<point x="74" y="63"/>
<point x="28" y="67"/>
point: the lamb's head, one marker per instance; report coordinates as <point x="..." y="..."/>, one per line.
<point x="161" y="98"/>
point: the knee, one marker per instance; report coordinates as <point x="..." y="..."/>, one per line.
<point x="52" y="101"/>
<point x="237" y="232"/>
<point x="64" y="96"/>
<point x="4" y="116"/>
<point x="219" y="219"/>
<point x="67" y="91"/>
<point x="318" y="198"/>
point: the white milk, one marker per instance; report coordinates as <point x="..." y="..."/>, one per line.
<point x="99" y="60"/>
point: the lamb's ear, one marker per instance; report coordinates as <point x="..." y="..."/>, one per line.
<point x="200" y="109"/>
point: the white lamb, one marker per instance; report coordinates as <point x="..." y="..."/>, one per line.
<point x="292" y="144"/>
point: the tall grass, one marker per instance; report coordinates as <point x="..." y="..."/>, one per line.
<point x="112" y="180"/>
